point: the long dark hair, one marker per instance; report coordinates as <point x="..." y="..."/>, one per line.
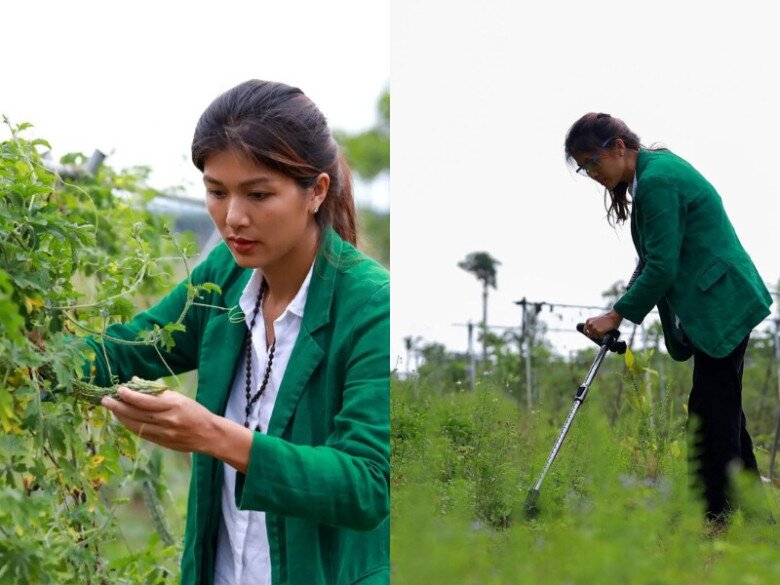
<point x="594" y="131"/>
<point x="278" y="126"/>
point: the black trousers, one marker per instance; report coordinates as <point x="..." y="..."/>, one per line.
<point x="720" y="437"/>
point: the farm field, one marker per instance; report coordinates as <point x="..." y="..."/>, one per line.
<point x="615" y="508"/>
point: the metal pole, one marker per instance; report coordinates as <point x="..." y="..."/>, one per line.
<point x="472" y="361"/>
<point x="520" y="357"/>
<point x="579" y="398"/>
<point x="94" y="162"/>
<point x="527" y="336"/>
<point x="484" y="322"/>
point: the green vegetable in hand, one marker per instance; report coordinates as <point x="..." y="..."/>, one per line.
<point x="94" y="394"/>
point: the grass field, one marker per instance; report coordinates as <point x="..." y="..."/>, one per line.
<point x="616" y="507"/>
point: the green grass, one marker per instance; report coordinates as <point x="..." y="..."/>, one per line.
<point x="615" y="508"/>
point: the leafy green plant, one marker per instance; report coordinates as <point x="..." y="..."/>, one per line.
<point x="368" y="153"/>
<point x="650" y="431"/>
<point x="75" y="257"/>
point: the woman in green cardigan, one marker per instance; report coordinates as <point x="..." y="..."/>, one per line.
<point x="694" y="269"/>
<point x="289" y="429"/>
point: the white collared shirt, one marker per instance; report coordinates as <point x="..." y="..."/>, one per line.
<point x="243" y="556"/>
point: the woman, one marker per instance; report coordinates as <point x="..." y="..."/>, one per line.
<point x="694" y="269"/>
<point x="290" y="427"/>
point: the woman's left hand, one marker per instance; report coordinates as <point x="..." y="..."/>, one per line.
<point x="598" y="327"/>
<point x="170" y="419"/>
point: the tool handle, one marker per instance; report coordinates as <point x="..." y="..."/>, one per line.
<point x="610" y="340"/>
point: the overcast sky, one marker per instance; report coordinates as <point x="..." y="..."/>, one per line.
<point x="132" y="78"/>
<point x="483" y="94"/>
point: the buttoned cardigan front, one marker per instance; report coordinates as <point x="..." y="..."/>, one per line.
<point x="321" y="472"/>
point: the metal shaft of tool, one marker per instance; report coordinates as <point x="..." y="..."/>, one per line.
<point x="579" y="398"/>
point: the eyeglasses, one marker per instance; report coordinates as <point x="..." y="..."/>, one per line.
<point x="592" y="161"/>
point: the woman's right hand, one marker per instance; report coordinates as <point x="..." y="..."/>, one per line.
<point x="598" y="327"/>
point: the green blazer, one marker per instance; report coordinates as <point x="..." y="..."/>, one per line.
<point x="708" y="292"/>
<point x="322" y="471"/>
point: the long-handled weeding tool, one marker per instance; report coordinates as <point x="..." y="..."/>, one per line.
<point x="608" y="343"/>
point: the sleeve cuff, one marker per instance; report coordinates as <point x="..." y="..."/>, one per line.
<point x="629" y="311"/>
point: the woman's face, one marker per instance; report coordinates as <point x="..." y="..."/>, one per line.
<point x="604" y="165"/>
<point x="263" y="215"/>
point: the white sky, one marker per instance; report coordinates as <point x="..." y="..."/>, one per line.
<point x="483" y="94"/>
<point x="132" y="78"/>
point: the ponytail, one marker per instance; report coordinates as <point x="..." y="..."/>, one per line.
<point x="338" y="209"/>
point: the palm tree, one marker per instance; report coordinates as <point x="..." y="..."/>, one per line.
<point x="412" y="344"/>
<point x="483" y="266"/>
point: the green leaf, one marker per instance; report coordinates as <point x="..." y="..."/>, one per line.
<point x="122" y="307"/>
<point x="172" y="327"/>
<point x="629" y="358"/>
<point x="41" y="142"/>
<point x="31" y="414"/>
<point x="11" y="321"/>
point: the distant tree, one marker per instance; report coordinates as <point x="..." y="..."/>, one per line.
<point x="441" y="368"/>
<point x="614" y="292"/>
<point x="368" y="154"/>
<point x="374" y="233"/>
<point x="483" y="266"/>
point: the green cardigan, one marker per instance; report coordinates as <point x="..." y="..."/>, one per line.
<point x="696" y="271"/>
<point x="321" y="473"/>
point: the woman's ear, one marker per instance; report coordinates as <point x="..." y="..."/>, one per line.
<point x="320" y="191"/>
<point x="620" y="146"/>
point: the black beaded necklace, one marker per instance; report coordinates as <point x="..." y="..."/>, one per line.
<point x="250" y="400"/>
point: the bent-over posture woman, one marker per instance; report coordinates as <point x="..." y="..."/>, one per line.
<point x="695" y="270"/>
<point x="289" y="429"/>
